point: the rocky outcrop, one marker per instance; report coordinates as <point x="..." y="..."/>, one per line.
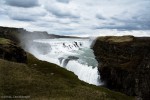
<point x="9" y="50"/>
<point x="20" y="34"/>
<point x="124" y="64"/>
<point x="10" y="33"/>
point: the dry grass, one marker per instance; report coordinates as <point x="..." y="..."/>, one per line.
<point x="116" y="39"/>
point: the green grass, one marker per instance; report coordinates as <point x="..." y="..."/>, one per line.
<point x="45" y="81"/>
<point x="4" y="41"/>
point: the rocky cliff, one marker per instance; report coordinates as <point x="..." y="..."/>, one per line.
<point x="20" y="34"/>
<point x="10" y="33"/>
<point x="9" y="50"/>
<point x="124" y="64"/>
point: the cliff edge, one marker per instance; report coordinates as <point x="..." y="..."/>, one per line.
<point x="9" y="50"/>
<point x="124" y="64"/>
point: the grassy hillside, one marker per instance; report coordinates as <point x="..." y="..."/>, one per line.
<point x="41" y="80"/>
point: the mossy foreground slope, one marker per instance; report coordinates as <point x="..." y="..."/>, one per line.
<point x="40" y="80"/>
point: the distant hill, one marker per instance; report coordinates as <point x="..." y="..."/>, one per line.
<point x="15" y="33"/>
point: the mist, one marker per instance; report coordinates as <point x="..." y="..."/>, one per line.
<point x="73" y="54"/>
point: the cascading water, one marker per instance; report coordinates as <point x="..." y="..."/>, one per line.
<point x="73" y="54"/>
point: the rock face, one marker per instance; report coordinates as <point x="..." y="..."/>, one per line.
<point x="124" y="64"/>
<point x="11" y="51"/>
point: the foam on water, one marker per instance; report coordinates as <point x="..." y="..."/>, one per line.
<point x="84" y="72"/>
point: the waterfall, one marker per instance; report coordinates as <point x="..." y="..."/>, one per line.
<point x="73" y="54"/>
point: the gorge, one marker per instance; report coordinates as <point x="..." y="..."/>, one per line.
<point x="121" y="64"/>
<point x="73" y="54"/>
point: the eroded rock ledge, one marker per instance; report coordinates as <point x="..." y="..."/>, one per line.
<point x="124" y="64"/>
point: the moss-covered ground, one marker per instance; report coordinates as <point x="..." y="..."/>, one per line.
<point x="4" y="41"/>
<point x="40" y="80"/>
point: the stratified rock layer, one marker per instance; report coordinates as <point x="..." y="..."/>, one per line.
<point x="124" y="64"/>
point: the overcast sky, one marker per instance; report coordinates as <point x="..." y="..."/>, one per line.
<point x="85" y="17"/>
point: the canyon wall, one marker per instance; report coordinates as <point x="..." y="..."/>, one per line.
<point x="124" y="64"/>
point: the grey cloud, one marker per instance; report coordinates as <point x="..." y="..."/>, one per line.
<point x="43" y="24"/>
<point x="65" y="29"/>
<point x="2" y="12"/>
<point x="22" y="3"/>
<point x="134" y="23"/>
<point x="68" y="32"/>
<point x="60" y="13"/>
<point x="23" y="19"/>
<point x="125" y="26"/>
<point x="75" y="21"/>
<point x="122" y="27"/>
<point x="80" y="15"/>
<point x="64" y="1"/>
<point x="24" y="14"/>
<point x="26" y="18"/>
<point x="98" y="16"/>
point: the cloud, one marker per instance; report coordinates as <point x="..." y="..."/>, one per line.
<point x="64" y="1"/>
<point x="61" y="10"/>
<point x="22" y="3"/>
<point x="77" y="16"/>
<point x="100" y="17"/>
<point x="60" y="13"/>
<point x="24" y="18"/>
<point x="138" y="21"/>
<point x="25" y="14"/>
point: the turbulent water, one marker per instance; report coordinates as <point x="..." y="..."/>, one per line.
<point x="73" y="54"/>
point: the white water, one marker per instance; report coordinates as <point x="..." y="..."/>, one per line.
<point x="73" y="54"/>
